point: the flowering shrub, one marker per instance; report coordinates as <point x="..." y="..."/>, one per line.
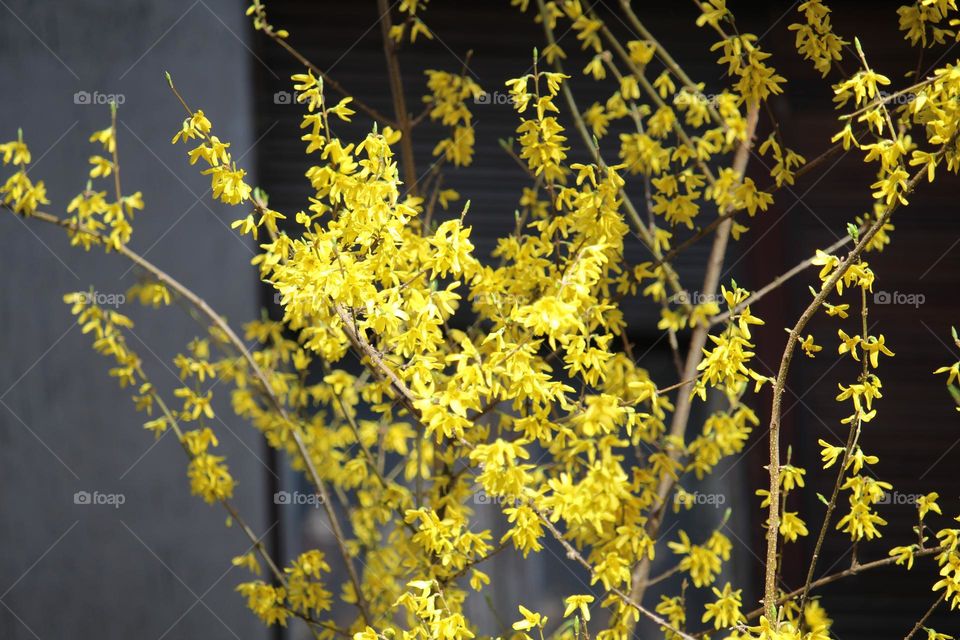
<point x="538" y="402"/>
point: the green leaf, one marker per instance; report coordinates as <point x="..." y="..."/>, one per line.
<point x="854" y="231"/>
<point x="955" y="392"/>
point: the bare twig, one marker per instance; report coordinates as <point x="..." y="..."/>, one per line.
<point x="115" y="153"/>
<point x="575" y="555"/>
<point x="646" y="236"/>
<point x="926" y="616"/>
<point x="408" y="399"/>
<point x="847" y="452"/>
<point x="403" y="122"/>
<point x="665" y="57"/>
<point x="834" y="577"/>
<point x="263" y="382"/>
<point x="327" y="80"/>
<point x="770" y="586"/>
<point x="716" y="222"/>
<point x="681" y="414"/>
<point x="776" y="283"/>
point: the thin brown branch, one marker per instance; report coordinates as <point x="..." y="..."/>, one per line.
<point x="665" y="56"/>
<point x="328" y="81"/>
<point x="663" y="576"/>
<point x="770" y="586"/>
<point x="401" y="116"/>
<point x="681" y="414"/>
<point x="115" y="152"/>
<point x="263" y="382"/>
<point x="834" y="577"/>
<point x="677" y="385"/>
<point x="383" y="371"/>
<point x="645" y="235"/>
<point x="716" y="222"/>
<point x="846" y="573"/>
<point x="831" y="505"/>
<point x="847" y="452"/>
<point x="926" y="616"/>
<point x="256" y="542"/>
<point x="575" y="555"/>
<point x="776" y="283"/>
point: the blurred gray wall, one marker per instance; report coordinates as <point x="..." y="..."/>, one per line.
<point x="159" y="565"/>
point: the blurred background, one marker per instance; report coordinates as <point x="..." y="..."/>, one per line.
<point x="158" y="565"/>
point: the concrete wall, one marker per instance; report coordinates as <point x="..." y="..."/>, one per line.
<point x="159" y="565"/>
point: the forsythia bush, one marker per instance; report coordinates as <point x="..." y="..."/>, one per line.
<point x="537" y="402"/>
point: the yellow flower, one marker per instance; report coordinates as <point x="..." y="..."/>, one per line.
<point x="928" y="503"/>
<point x="530" y="620"/>
<point x="791" y="526"/>
<point x="196" y="126"/>
<point x="848" y="344"/>
<point x="808" y="346"/>
<point x="874" y="346"/>
<point x="904" y="555"/>
<point x="830" y="454"/>
<point x="342" y="111"/>
<point x="15" y="152"/>
<point x="580" y="603"/>
<point x="209" y="478"/>
<point x="953" y="371"/>
<point x="725" y="612"/>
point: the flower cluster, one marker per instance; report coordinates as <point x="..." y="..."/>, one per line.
<point x="499" y="405"/>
